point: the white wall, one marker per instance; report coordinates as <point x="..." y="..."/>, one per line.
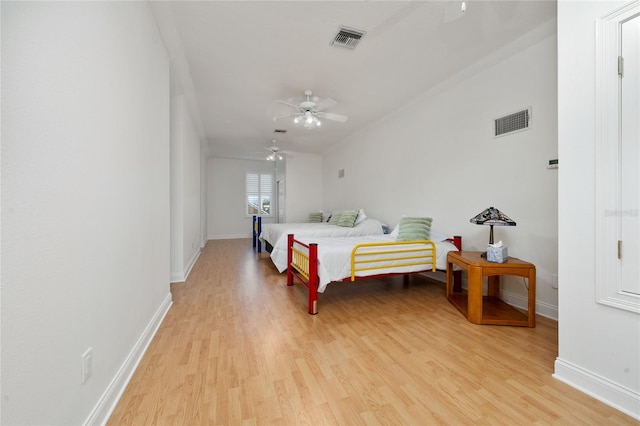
<point x="437" y="157"/>
<point x="303" y="186"/>
<point x="599" y="345"/>
<point x="85" y="203"/>
<point x="226" y="203"/>
<point x="186" y="237"/>
<point x="177" y="187"/>
<point x="203" y="194"/>
<point x="226" y="216"/>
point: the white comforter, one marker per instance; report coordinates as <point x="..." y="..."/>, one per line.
<point x="276" y="235"/>
<point x="334" y="257"/>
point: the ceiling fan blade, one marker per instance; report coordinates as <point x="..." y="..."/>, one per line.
<point x="334" y="117"/>
<point x="289" y="104"/>
<point x="325" y="103"/>
<point x="285" y="116"/>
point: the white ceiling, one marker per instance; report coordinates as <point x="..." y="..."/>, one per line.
<point x="233" y="59"/>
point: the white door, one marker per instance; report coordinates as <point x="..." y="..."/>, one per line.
<point x="630" y="156"/>
<point x="280" y="213"/>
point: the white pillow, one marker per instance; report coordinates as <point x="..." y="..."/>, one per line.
<point x="395" y="231"/>
<point x="360" y="218"/>
<point x="436" y="236"/>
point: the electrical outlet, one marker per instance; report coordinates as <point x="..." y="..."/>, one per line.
<point x="86" y="368"/>
<point x="554" y="281"/>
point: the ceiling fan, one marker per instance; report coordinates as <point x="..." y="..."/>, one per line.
<point x="310" y="110"/>
<point x="275" y="153"/>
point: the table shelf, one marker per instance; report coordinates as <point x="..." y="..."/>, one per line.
<point x="490" y="309"/>
<point x="494" y="310"/>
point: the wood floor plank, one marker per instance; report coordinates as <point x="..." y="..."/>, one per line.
<point x="238" y="348"/>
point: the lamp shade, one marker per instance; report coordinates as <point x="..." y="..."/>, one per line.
<point x="492" y="216"/>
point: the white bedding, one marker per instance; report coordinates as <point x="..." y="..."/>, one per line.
<point x="276" y="235"/>
<point x="334" y="257"/>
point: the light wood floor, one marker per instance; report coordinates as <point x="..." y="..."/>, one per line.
<point x="238" y="347"/>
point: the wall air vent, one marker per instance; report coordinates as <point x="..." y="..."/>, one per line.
<point x="347" y="37"/>
<point x="281" y="131"/>
<point x="516" y="122"/>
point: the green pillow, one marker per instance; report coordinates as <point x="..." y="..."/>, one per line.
<point x="348" y="218"/>
<point x="315" y="217"/>
<point x="414" y="228"/>
<point x="335" y="218"/>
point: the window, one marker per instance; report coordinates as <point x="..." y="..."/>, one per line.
<point x="259" y="194"/>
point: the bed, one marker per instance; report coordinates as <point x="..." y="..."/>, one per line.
<point x="274" y="235"/>
<point x="316" y="262"/>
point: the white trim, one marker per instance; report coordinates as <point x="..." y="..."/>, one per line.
<point x="607" y="211"/>
<point x="229" y="236"/>
<point x="180" y="277"/>
<point x="519" y="301"/>
<point x="598" y="387"/>
<point x="192" y="262"/>
<point x="177" y="277"/>
<point x="109" y="399"/>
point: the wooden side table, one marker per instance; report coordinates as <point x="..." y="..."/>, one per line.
<point x="490" y="309"/>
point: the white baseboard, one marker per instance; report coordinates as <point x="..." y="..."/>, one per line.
<point x="229" y="236"/>
<point x="180" y="277"/>
<point x="600" y="388"/>
<point x="177" y="277"/>
<point x="192" y="262"/>
<point x="519" y="301"/>
<point x="107" y="402"/>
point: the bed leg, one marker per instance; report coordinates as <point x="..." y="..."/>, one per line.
<point x="405" y="280"/>
<point x="457" y="281"/>
<point x="258" y="234"/>
<point x="253" y="230"/>
<point x="313" y="279"/>
<point x="457" y="275"/>
<point x="289" y="259"/>
<point x="457" y="241"/>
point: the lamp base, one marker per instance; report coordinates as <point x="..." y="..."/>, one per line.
<point x="484" y="255"/>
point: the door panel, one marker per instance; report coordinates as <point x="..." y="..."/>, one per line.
<point x="630" y="156"/>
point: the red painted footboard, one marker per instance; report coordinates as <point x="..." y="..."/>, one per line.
<point x="308" y="276"/>
<point x="457" y="275"/>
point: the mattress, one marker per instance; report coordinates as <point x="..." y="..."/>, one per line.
<point x="276" y="235"/>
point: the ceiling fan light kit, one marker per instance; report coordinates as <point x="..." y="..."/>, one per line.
<point x="275" y="152"/>
<point x="274" y="157"/>
<point x="311" y="110"/>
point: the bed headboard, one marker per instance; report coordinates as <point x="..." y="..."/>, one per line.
<point x="457" y="241"/>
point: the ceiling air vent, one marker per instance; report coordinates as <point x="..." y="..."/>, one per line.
<point x="516" y="122"/>
<point x="283" y="131"/>
<point x="347" y="37"/>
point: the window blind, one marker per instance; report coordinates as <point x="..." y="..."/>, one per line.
<point x="259" y="190"/>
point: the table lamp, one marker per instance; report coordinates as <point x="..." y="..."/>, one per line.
<point x="491" y="217"/>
